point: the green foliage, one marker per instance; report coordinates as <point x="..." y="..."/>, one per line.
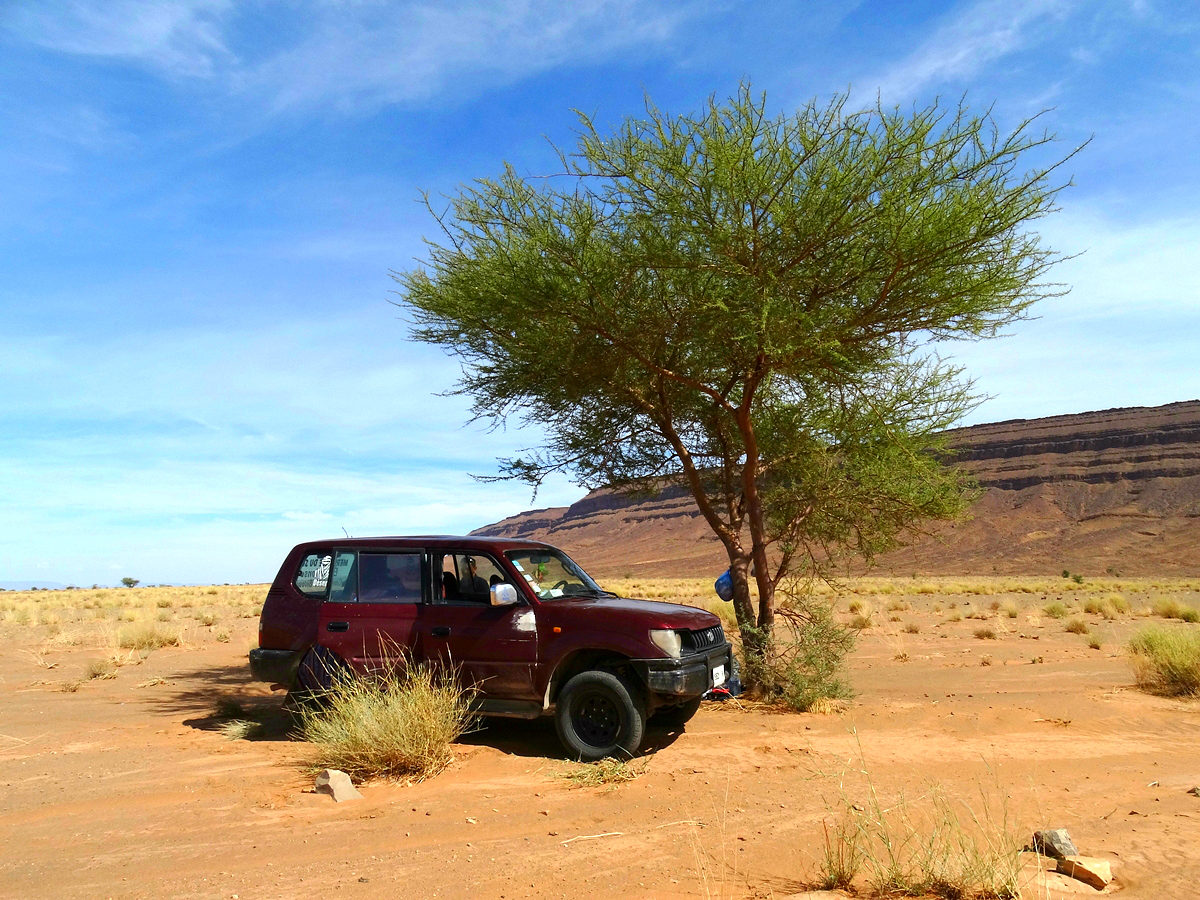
<point x="746" y="304"/>
<point x="804" y="664"/>
<point x="130" y="582"/>
<point x="1166" y="660"/>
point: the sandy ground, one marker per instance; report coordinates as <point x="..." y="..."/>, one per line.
<point x="126" y="787"/>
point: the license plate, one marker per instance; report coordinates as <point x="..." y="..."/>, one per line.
<point x="718" y="676"/>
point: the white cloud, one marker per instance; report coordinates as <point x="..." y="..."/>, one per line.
<point x="969" y="41"/>
<point x="167" y="451"/>
<point x="1123" y="336"/>
<point x="180" y="38"/>
<point x="374" y="54"/>
<point x="352" y="55"/>
<point x="1125" y="268"/>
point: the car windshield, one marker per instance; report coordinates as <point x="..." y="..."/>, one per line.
<point x="553" y="575"/>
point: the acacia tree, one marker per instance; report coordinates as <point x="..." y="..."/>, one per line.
<point x="747" y="305"/>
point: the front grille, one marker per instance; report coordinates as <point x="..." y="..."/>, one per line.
<point x="704" y="639"/>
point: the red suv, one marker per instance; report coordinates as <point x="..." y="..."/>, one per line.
<point x="519" y="620"/>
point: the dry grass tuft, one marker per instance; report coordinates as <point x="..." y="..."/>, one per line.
<point x="985" y="633"/>
<point x="1171" y="608"/>
<point x="241" y="730"/>
<point x="146" y="636"/>
<point x="932" y="846"/>
<point x="606" y="771"/>
<point x="1166" y="660"/>
<point x="1077" y="626"/>
<point x="829" y="706"/>
<point x="399" y="724"/>
<point x="100" y="669"/>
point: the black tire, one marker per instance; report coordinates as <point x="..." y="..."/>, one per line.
<point x="599" y="715"/>
<point x="677" y="716"/>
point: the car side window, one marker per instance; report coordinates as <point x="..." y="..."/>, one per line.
<point x="313" y="577"/>
<point x="344" y="586"/>
<point x="468" y="577"/>
<point x="389" y="577"/>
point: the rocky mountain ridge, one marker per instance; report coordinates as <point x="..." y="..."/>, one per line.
<point x="1114" y="490"/>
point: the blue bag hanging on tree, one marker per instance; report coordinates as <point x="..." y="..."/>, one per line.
<point x="724" y="586"/>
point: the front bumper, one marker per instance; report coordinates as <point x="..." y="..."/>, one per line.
<point x="275" y="666"/>
<point x="689" y="676"/>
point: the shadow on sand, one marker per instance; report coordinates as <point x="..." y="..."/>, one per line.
<point x="210" y="699"/>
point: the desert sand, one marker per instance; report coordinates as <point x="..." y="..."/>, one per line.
<point x="124" y="784"/>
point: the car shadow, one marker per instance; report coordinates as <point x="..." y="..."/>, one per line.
<point x="224" y="699"/>
<point x="533" y="738"/>
<point x="227" y="700"/>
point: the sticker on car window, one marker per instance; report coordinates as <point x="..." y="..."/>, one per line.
<point x="519" y="567"/>
<point x="321" y="576"/>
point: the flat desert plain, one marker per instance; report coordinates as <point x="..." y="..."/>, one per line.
<point x="138" y="760"/>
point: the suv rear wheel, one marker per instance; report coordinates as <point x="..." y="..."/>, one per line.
<point x="599" y="715"/>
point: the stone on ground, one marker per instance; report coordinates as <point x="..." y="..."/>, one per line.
<point x="1088" y="869"/>
<point x="1054" y="842"/>
<point x="336" y="784"/>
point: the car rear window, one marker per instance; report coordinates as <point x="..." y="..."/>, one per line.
<point x="313" y="577"/>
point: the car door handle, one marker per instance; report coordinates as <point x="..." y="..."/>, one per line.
<point x="440" y="631"/>
<point x="338" y="626"/>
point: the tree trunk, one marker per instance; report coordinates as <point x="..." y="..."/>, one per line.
<point x="755" y="639"/>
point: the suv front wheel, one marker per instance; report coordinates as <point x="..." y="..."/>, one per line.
<point x="599" y="715"/>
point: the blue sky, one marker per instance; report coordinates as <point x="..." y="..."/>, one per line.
<point x="202" y="200"/>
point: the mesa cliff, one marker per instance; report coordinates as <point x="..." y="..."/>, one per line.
<point x="1112" y="491"/>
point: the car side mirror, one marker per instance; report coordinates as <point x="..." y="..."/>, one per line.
<point x="503" y="595"/>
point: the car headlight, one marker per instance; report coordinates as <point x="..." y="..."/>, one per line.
<point x="666" y="640"/>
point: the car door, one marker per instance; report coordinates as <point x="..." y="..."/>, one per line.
<point x="375" y="600"/>
<point x="493" y="648"/>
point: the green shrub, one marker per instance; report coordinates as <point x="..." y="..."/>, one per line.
<point x="399" y="724"/>
<point x="804" y="664"/>
<point x="1166" y="660"/>
<point x="1055" y="610"/>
